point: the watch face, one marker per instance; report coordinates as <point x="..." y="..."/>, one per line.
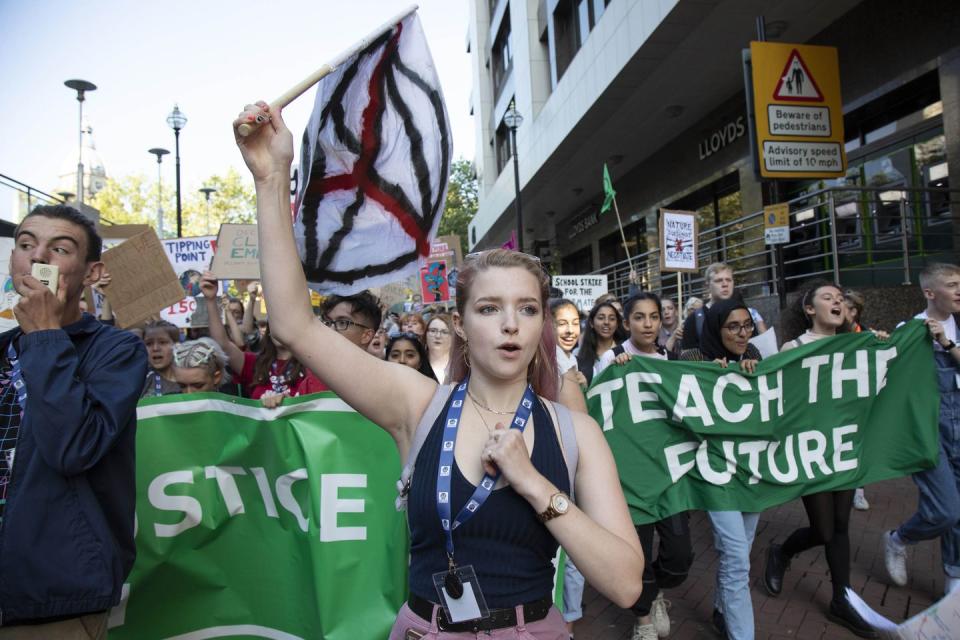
<point x="560" y="503"/>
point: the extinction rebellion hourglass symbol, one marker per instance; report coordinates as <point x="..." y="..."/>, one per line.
<point x="376" y="160"/>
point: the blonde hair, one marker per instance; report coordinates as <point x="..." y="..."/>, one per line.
<point x="936" y="270"/>
<point x="542" y="370"/>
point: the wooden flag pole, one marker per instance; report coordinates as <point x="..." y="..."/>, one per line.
<point x="623" y="237"/>
<point x="679" y="293"/>
<point x="298" y="89"/>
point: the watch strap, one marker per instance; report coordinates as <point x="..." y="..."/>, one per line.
<point x="551" y="512"/>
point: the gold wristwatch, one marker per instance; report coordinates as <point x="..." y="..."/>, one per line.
<point x="559" y="505"/>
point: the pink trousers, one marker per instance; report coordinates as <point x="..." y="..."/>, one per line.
<point x="410" y="626"/>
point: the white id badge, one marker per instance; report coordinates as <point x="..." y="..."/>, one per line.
<point x="469" y="606"/>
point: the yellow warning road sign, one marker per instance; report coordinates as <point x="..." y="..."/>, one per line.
<point x="798" y="110"/>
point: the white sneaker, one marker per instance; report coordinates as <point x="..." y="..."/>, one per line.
<point x="951" y="585"/>
<point x="860" y="501"/>
<point x="895" y="559"/>
<point x="659" y="615"/>
<point x="644" y="631"/>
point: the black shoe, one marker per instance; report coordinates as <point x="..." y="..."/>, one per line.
<point x="719" y="624"/>
<point x="843" y="613"/>
<point x="777" y="565"/>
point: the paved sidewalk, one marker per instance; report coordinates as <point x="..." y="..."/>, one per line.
<point x="799" y="611"/>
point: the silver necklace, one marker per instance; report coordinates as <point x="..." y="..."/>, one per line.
<point x="477" y="411"/>
<point x="485" y="407"/>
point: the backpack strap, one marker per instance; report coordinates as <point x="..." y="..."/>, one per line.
<point x="419" y="436"/>
<point x="568" y="440"/>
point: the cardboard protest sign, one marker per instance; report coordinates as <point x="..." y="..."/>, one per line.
<point x="237" y="255"/>
<point x="143" y="280"/>
<point x="190" y="257"/>
<point x="582" y="290"/>
<point x="115" y="234"/>
<point x="8" y="296"/>
<point x="678" y="241"/>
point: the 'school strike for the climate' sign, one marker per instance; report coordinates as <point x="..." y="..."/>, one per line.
<point x="837" y="413"/>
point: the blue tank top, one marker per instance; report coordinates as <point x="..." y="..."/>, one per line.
<point x="509" y="548"/>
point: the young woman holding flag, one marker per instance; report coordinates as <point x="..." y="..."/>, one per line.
<point x="487" y="505"/>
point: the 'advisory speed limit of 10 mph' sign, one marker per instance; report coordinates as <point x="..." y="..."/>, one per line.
<point x="796" y="97"/>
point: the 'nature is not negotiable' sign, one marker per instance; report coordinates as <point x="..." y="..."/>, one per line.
<point x="838" y="413"/>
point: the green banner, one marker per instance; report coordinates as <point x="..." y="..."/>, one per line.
<point x="834" y="414"/>
<point x="263" y="523"/>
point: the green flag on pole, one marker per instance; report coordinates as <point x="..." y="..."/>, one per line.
<point x="609" y="193"/>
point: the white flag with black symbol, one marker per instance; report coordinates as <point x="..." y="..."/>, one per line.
<point x="374" y="165"/>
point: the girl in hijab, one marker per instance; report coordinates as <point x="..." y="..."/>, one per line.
<point x="725" y="340"/>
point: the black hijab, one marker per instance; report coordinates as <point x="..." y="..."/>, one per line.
<point x="711" y="342"/>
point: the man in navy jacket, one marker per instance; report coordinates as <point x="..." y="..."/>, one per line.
<point x="68" y="396"/>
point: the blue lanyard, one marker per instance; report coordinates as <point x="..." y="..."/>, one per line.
<point x="16" y="375"/>
<point x="157" y="388"/>
<point x="482" y="492"/>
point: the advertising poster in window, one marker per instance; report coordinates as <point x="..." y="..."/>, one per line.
<point x="678" y="241"/>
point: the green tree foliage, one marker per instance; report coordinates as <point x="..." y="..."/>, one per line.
<point x="133" y="200"/>
<point x="461" y="203"/>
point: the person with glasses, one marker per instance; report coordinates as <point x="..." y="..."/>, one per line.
<point x="487" y="506"/>
<point x="819" y="314"/>
<point x="719" y="280"/>
<point x="439" y="332"/>
<point x="725" y="340"/>
<point x="270" y="375"/>
<point x="200" y="365"/>
<point x="355" y="317"/>
<point x="406" y="349"/>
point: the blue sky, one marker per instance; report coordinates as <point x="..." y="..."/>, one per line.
<point x="210" y="56"/>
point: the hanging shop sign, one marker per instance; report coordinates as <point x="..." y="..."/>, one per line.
<point x="798" y="110"/>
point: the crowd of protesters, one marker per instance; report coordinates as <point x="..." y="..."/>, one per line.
<point x="514" y="345"/>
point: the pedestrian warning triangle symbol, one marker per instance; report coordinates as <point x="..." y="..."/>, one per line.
<point x="796" y="82"/>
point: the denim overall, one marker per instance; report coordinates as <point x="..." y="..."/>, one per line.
<point x="938" y="513"/>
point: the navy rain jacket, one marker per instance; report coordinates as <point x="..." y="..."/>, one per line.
<point x="66" y="541"/>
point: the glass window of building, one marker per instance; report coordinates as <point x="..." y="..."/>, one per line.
<point x="502" y="56"/>
<point x="564" y="36"/>
<point x="579" y="262"/>
<point x="502" y="146"/>
<point x="611" y="245"/>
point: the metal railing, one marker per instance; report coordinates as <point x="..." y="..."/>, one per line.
<point x="33" y="196"/>
<point x="857" y="236"/>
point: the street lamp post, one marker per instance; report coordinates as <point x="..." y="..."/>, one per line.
<point x="206" y="191"/>
<point x="513" y="119"/>
<point x="177" y="121"/>
<point x="157" y="151"/>
<point x="81" y="87"/>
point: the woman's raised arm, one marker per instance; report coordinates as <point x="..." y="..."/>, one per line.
<point x="391" y="395"/>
